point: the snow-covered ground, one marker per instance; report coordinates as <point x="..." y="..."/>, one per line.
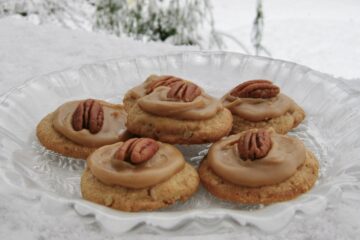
<point x="322" y="34"/>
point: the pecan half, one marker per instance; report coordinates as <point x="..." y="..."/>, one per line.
<point x="256" y="89"/>
<point x="254" y="145"/>
<point x="89" y="114"/>
<point x="185" y="91"/>
<point x="167" y="81"/>
<point x="179" y="88"/>
<point x="137" y="150"/>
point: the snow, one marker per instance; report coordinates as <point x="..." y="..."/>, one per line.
<point x="30" y="50"/>
<point x="322" y="34"/>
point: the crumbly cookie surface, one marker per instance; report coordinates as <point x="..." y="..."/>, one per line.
<point x="282" y="124"/>
<point x="53" y="140"/>
<point x="128" y="101"/>
<point x="179" y="131"/>
<point x="181" y="186"/>
<point x="302" y="181"/>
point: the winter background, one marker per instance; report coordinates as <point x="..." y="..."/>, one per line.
<point x="321" y="34"/>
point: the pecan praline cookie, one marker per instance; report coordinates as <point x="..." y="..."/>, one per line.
<point x="174" y="110"/>
<point x="259" y="104"/>
<point x="138" y="175"/>
<point x="78" y="128"/>
<point x="258" y="167"/>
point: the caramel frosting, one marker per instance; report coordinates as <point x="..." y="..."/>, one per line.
<point x="285" y="156"/>
<point x="166" y="162"/>
<point x="113" y="129"/>
<point x="158" y="103"/>
<point x="259" y="109"/>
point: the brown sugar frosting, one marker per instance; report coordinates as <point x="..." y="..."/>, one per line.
<point x="281" y="162"/>
<point x="259" y="109"/>
<point x="165" y="163"/>
<point x="113" y="128"/>
<point x="159" y="103"/>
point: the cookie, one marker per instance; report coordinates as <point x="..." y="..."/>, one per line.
<point x="177" y="131"/>
<point x="77" y="128"/>
<point x="258" y="166"/>
<point x="175" y="110"/>
<point x="301" y="182"/>
<point x="54" y="141"/>
<point x="140" y="174"/>
<point x="258" y="104"/>
<point x="179" y="187"/>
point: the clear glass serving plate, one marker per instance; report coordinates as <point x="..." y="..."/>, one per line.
<point x="331" y="130"/>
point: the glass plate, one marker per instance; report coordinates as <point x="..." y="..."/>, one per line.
<point x="331" y="131"/>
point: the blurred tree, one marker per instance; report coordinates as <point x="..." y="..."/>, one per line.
<point x="257" y="31"/>
<point x="176" y="21"/>
<point x="179" y="22"/>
